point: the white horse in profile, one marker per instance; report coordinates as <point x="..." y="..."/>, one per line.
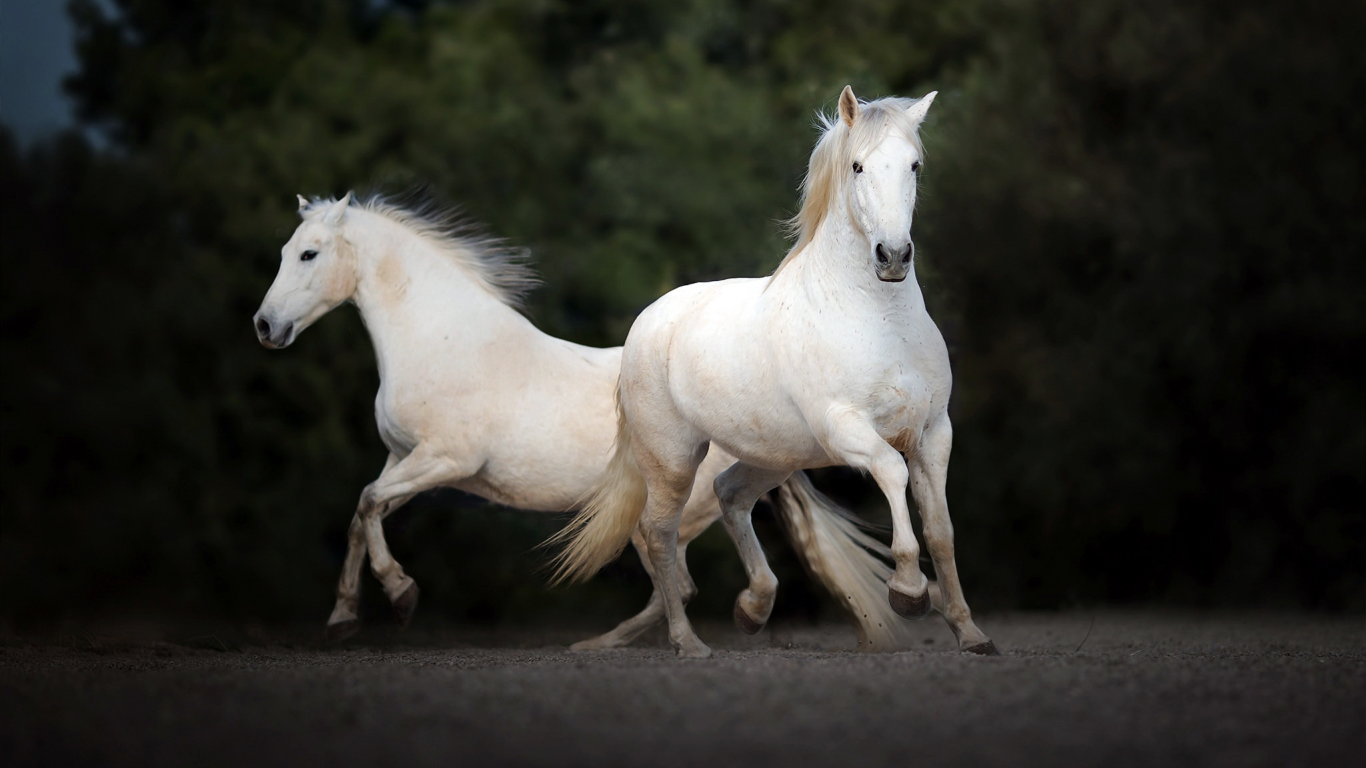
<point x="831" y="360"/>
<point x="473" y="396"/>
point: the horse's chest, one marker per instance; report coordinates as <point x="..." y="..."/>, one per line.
<point x="896" y="389"/>
<point x="899" y="410"/>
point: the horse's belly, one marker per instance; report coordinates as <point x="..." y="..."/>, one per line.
<point x="541" y="493"/>
<point x="775" y="445"/>
<point x="751" y="418"/>
<point x="397" y="438"/>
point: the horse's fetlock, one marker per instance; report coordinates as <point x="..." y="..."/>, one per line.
<point x="765" y="585"/>
<point x="908" y="555"/>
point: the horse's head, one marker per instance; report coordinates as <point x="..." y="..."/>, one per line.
<point x="882" y="157"/>
<point x="317" y="272"/>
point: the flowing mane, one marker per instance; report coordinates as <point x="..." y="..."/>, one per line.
<point x="836" y="150"/>
<point x="500" y="269"/>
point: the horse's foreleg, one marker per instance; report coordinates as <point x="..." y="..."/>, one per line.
<point x="929" y="468"/>
<point x="737" y="489"/>
<point x="345" y="619"/>
<point x="419" y="471"/>
<point x="853" y="440"/>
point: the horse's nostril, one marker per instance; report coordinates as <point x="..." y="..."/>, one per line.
<point x="263" y="327"/>
<point x="881" y="254"/>
<point x="907" y="258"/>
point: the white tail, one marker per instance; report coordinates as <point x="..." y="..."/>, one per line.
<point x="608" y="516"/>
<point x="844" y="559"/>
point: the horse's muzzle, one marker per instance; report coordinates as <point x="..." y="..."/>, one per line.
<point x="893" y="264"/>
<point x="273" y="336"/>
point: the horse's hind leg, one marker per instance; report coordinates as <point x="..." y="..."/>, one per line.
<point x="669" y="482"/>
<point x="699" y="513"/>
<point x="630" y="629"/>
<point x="687" y="588"/>
<point x="929" y="468"/>
<point x="420" y="470"/>
<point x="737" y="489"/>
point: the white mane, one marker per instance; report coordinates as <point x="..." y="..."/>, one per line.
<point x="501" y="270"/>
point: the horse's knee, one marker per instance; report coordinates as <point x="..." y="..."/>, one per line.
<point x="889" y="469"/>
<point x="368" y="505"/>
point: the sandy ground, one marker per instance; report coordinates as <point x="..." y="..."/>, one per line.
<point x="1144" y="689"/>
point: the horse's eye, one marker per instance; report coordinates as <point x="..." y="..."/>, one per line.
<point x="858" y="167"/>
<point x="308" y="255"/>
<point x="915" y="167"/>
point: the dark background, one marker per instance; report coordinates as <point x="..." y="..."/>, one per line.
<point x="1141" y="231"/>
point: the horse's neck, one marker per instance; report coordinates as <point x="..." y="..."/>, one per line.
<point x="836" y="270"/>
<point x="411" y="297"/>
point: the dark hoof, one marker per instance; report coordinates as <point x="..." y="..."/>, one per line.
<point x="745" y="623"/>
<point x="983" y="649"/>
<point x="908" y="607"/>
<point x="406" y="605"/>
<point x="342" y="630"/>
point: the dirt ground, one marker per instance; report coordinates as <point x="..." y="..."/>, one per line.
<point x="1144" y="689"/>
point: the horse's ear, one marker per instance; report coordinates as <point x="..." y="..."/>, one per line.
<point x="303" y="203"/>
<point x="849" y="108"/>
<point x="337" y="211"/>
<point x="918" y="110"/>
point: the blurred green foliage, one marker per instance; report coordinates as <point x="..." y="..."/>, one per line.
<point x="1142" y="232"/>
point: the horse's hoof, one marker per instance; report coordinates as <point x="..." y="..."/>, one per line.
<point x="406" y="605"/>
<point x="983" y="649"/>
<point x="593" y="644"/>
<point x="342" y="630"/>
<point x="744" y="622"/>
<point x="700" y="651"/>
<point x="908" y="607"/>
